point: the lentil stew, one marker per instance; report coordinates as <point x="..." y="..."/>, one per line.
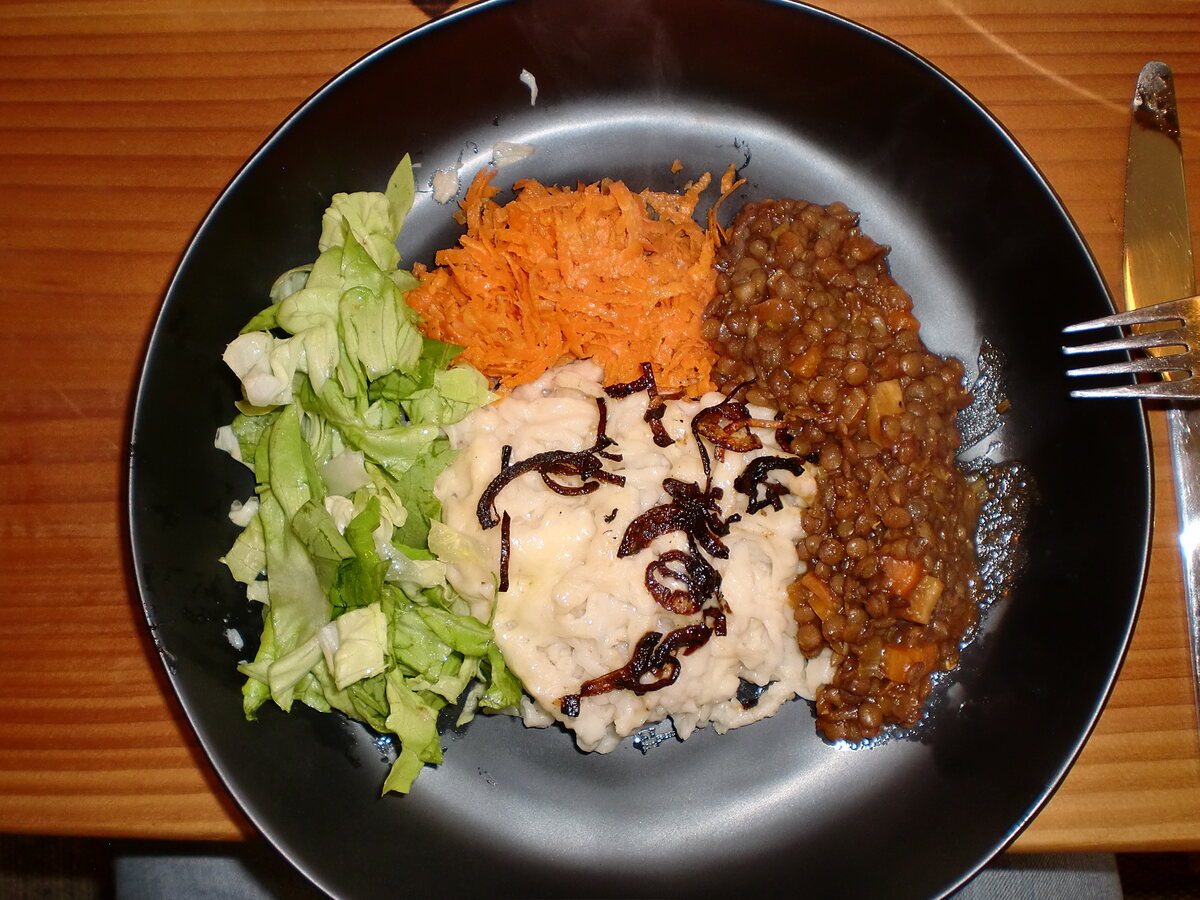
<point x="807" y="312"/>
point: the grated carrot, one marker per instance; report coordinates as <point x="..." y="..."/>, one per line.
<point x="592" y="272"/>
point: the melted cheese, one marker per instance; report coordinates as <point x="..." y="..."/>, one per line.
<point x="574" y="610"/>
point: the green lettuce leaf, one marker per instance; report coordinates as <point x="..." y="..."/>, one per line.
<point x="247" y="558"/>
<point x="355" y="645"/>
<point x="342" y="415"/>
<point x="360" y="577"/>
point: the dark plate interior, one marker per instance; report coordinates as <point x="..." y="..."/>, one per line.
<point x="809" y="106"/>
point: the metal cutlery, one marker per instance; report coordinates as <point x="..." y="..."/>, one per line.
<point x="1158" y="270"/>
<point x="1174" y="349"/>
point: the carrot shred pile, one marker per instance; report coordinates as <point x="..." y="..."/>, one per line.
<point x="593" y="272"/>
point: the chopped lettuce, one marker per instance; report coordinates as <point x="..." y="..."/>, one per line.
<point x="354" y="645"/>
<point x="342" y="422"/>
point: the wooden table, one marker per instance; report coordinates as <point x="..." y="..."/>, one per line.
<point x="121" y="120"/>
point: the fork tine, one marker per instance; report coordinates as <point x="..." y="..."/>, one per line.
<point x="1144" y="315"/>
<point x="1182" y="389"/>
<point x="1148" y="341"/>
<point x="1176" y="362"/>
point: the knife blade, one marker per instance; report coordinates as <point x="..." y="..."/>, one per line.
<point x="1158" y="251"/>
<point x="1158" y="266"/>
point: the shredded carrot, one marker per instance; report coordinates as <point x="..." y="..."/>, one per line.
<point x="728" y="185"/>
<point x="592" y="272"/>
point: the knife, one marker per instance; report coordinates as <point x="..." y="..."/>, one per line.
<point x="1158" y="266"/>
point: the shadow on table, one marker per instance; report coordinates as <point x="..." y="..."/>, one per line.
<point x="54" y="868"/>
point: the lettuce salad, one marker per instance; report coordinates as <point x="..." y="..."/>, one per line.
<point x="341" y="423"/>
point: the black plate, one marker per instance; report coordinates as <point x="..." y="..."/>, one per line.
<point x="810" y="106"/>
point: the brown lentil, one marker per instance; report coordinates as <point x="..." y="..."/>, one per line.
<point x="808" y="311"/>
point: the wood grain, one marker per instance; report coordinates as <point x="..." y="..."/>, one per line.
<point x="121" y="121"/>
